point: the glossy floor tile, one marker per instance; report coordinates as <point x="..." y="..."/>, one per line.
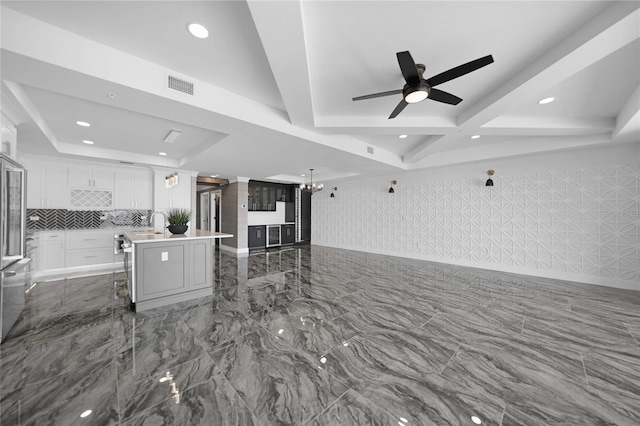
<point x="319" y="336"/>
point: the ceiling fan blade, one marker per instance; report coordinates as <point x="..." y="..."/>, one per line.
<point x="408" y="68"/>
<point x="459" y="71"/>
<point x="445" y="97"/>
<point x="377" y="95"/>
<point x="398" y="109"/>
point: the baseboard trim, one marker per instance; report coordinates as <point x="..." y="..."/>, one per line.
<point x="238" y="252"/>
<point x="76" y="272"/>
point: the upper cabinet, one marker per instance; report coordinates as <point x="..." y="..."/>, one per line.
<point x="133" y="189"/>
<point x="45" y="185"/>
<point x="263" y="195"/>
<point x="90" y="187"/>
<point x="78" y="185"/>
<point x="90" y="177"/>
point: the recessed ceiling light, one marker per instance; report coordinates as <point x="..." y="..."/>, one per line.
<point x="546" y="101"/>
<point x="198" y="30"/>
<point x="302" y="175"/>
<point x="214" y="176"/>
<point x="162" y="153"/>
<point x="475" y="137"/>
<point x="83" y="123"/>
<point x="86" y="413"/>
<point x="88" y="142"/>
<point x="402" y="136"/>
<point x="476" y="420"/>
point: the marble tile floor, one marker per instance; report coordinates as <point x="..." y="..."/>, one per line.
<point x="319" y="336"/>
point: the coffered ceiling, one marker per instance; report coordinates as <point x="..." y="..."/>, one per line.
<point x="273" y="82"/>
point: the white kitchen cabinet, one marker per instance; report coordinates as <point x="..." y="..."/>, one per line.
<point x="89" y="187"/>
<point x="90" y="177"/>
<point x="51" y="252"/>
<point x="133" y="189"/>
<point x="89" y="247"/>
<point x="45" y="185"/>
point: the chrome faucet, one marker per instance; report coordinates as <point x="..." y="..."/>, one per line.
<point x="164" y="220"/>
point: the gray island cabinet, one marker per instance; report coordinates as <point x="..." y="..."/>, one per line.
<point x="163" y="268"/>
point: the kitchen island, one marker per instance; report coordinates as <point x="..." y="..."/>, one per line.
<point x="163" y="268"/>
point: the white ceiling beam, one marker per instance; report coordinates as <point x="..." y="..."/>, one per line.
<point x="30" y="108"/>
<point x="516" y="148"/>
<point x="549" y="126"/>
<point x="611" y="30"/>
<point x="284" y="45"/>
<point x="627" y="128"/>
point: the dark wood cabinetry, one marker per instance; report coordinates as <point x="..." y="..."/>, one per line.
<point x="290" y="212"/>
<point x="288" y="234"/>
<point x="257" y="236"/>
<point x="263" y="195"/>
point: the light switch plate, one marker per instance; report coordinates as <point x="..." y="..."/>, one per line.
<point x="165" y="256"/>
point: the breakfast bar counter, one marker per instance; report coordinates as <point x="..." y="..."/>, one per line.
<point x="163" y="268"/>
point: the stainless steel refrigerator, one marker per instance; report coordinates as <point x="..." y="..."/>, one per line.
<point x="15" y="270"/>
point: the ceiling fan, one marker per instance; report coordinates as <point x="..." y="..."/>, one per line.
<point x="418" y="88"/>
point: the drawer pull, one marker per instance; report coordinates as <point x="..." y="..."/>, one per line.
<point x="90" y="239"/>
<point x="88" y="257"/>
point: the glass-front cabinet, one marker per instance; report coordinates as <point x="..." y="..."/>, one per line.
<point x="263" y="195"/>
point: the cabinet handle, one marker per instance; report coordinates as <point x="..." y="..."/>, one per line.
<point x="42" y="201"/>
<point x="90" y="239"/>
<point x="89" y="257"/>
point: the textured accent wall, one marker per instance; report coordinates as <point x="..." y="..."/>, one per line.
<point x="581" y="224"/>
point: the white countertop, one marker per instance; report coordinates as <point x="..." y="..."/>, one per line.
<point x="191" y="234"/>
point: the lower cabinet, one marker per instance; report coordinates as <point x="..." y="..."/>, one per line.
<point x="51" y="253"/>
<point x="257" y="236"/>
<point x="288" y="234"/>
<point x="72" y="248"/>
<point x="92" y="247"/>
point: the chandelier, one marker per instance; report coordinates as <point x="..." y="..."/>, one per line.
<point x="311" y="187"/>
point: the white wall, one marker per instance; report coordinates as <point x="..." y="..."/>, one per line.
<point x="573" y="215"/>
<point x="268" y="218"/>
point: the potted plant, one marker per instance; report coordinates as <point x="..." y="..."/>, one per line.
<point x="178" y="220"/>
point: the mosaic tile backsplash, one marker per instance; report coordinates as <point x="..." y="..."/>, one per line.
<point x="81" y="219"/>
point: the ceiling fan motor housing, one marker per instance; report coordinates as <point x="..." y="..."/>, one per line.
<point x="416" y="93"/>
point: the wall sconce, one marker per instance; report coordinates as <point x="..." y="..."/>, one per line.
<point x="171" y="180"/>
<point x="335" y="188"/>
<point x="391" y="191"/>
<point x="490" y="181"/>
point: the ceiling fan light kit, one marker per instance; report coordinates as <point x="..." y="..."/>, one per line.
<point x="418" y="88"/>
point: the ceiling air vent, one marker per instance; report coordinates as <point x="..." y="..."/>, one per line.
<point x="369" y="149"/>
<point x="180" y="85"/>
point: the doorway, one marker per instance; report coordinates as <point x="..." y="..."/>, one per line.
<point x="208" y="210"/>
